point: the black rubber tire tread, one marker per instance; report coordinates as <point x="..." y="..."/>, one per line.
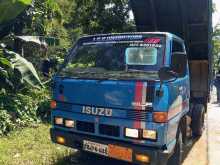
<point x="198" y="120"/>
<point x="176" y="158"/>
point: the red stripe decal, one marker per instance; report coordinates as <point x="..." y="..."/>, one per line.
<point x="138" y="99"/>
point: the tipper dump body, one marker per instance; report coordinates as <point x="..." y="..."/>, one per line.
<point x="192" y="21"/>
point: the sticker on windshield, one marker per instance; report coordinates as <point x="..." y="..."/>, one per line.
<point x="152" y="40"/>
<point x="118" y="38"/>
<point x="145" y="45"/>
<point x="132" y="40"/>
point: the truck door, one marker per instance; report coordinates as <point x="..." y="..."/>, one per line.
<point x="178" y="89"/>
<point x="179" y="63"/>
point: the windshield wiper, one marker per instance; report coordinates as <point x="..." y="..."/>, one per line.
<point x="137" y="71"/>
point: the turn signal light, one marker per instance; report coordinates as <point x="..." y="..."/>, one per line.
<point x="53" y="104"/>
<point x="60" y="140"/>
<point x="160" y="117"/>
<point x="142" y="158"/>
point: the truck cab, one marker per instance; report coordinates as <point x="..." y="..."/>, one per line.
<point x="125" y="96"/>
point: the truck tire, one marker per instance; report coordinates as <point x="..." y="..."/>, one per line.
<point x="198" y="116"/>
<point x="176" y="158"/>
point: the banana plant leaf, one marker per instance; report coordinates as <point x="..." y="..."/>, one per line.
<point x="25" y="68"/>
<point x="10" y="9"/>
<point x="5" y="62"/>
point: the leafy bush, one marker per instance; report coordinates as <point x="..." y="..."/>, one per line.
<point x="6" y="124"/>
<point x="21" y="110"/>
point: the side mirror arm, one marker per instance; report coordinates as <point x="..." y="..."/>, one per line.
<point x="159" y="93"/>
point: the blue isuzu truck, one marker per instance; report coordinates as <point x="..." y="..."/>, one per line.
<point x="138" y="97"/>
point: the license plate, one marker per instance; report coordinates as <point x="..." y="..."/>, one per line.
<point x="97" y="148"/>
<point x="119" y="152"/>
<point x="112" y="151"/>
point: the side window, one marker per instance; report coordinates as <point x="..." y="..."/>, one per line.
<point x="179" y="59"/>
<point x="177" y="47"/>
<point x="179" y="64"/>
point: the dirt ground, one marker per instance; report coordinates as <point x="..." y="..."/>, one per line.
<point x="196" y="152"/>
<point x="206" y="150"/>
<point x="214" y="134"/>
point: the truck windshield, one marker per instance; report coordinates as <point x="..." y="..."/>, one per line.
<point x="121" y="60"/>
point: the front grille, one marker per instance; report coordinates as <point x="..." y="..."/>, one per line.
<point x="109" y="130"/>
<point x="138" y="115"/>
<point x="85" y="126"/>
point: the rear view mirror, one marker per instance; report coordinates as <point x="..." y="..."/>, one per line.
<point x="166" y="74"/>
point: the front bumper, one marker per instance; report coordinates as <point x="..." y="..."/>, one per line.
<point x="73" y="140"/>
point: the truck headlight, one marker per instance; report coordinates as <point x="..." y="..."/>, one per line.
<point x="69" y="123"/>
<point x="58" y="120"/>
<point x="131" y="133"/>
<point x="149" y="134"/>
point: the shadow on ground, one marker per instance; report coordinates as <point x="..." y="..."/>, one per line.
<point x="188" y="147"/>
<point x="82" y="158"/>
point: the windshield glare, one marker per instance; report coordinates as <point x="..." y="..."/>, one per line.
<point x="114" y="60"/>
<point x="141" y="56"/>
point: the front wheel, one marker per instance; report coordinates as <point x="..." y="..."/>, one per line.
<point x="176" y="158"/>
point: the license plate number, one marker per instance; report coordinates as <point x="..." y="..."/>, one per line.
<point x="97" y="148"/>
<point x="112" y="151"/>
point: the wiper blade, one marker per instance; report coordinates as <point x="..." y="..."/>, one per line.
<point x="137" y="71"/>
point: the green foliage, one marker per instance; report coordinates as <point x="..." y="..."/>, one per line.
<point x="23" y="109"/>
<point x="15" y="71"/>
<point x="25" y="69"/>
<point x="6" y="124"/>
<point x="45" y="12"/>
<point x="5" y="73"/>
<point x="10" y="9"/>
<point x="100" y="16"/>
<point x="216" y="48"/>
<point x="20" y="105"/>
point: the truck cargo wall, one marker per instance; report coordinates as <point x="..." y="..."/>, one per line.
<point x="188" y="19"/>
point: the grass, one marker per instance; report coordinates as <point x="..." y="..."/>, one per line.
<point x="31" y="146"/>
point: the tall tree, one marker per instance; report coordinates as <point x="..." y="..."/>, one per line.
<point x="216" y="47"/>
<point x="98" y="16"/>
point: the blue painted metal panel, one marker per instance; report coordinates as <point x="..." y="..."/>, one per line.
<point x="117" y="94"/>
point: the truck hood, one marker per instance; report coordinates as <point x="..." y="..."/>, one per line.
<point x="105" y="93"/>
